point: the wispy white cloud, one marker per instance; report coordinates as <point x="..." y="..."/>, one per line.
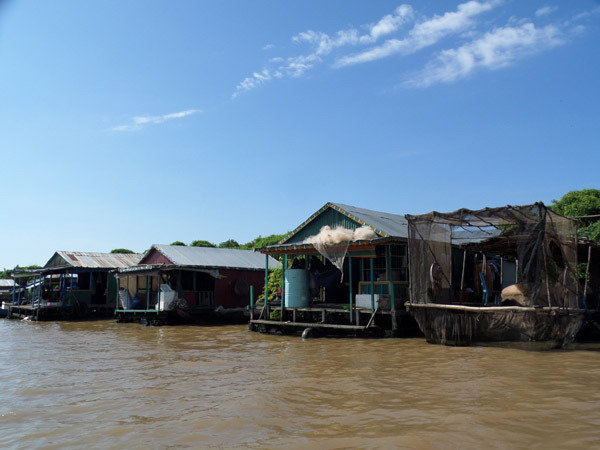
<point x="494" y="50"/>
<point x="423" y="34"/>
<point x="586" y="14"/>
<point x="268" y="47"/>
<point x="138" y="122"/>
<point x="546" y="10"/>
<point x="480" y="46"/>
<point x="323" y="44"/>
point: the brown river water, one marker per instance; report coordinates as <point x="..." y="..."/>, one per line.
<point x="105" y="385"/>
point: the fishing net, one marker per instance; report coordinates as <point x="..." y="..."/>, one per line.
<point x="333" y="243"/>
<point x="459" y="257"/>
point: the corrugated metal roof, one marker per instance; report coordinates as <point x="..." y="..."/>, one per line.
<point x="384" y="224"/>
<point x="393" y="225"/>
<point x="92" y="260"/>
<point x="7" y="283"/>
<point x="214" y="257"/>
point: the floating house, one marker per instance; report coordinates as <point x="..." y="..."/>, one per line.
<point x="7" y="287"/>
<point x="507" y="274"/>
<point x="179" y="284"/>
<point x="72" y="285"/>
<point x="345" y="270"/>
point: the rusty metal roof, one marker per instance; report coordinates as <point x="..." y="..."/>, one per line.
<point x="7" y="283"/>
<point x="214" y="257"/>
<point x="92" y="260"/>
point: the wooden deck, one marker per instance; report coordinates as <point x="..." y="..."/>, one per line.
<point x="326" y="319"/>
<point x="50" y="313"/>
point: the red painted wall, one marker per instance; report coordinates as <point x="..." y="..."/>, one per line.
<point x="154" y="257"/>
<point x="226" y="295"/>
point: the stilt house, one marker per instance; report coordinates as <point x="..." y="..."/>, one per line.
<point x="173" y="284"/>
<point x="71" y="285"/>
<point x="345" y="270"/>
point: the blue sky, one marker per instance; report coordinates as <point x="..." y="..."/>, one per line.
<point x="129" y="123"/>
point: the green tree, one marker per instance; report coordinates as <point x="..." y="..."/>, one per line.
<point x="24" y="280"/>
<point x="581" y="203"/>
<point x="122" y="250"/>
<point x="260" y="241"/>
<point x="202" y="243"/>
<point x="229" y="243"/>
<point x="273" y="285"/>
<point x="178" y="243"/>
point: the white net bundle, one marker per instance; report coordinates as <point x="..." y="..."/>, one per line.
<point x="333" y="243"/>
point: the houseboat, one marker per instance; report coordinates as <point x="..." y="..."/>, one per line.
<point x="72" y="285"/>
<point x="178" y="284"/>
<point x="344" y="271"/>
<point x="505" y="274"/>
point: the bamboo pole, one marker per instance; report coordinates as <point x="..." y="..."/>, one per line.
<point x="490" y="308"/>
<point x="546" y="268"/>
<point x="587" y="271"/>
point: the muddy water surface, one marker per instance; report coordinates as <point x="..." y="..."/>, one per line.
<point x="113" y="386"/>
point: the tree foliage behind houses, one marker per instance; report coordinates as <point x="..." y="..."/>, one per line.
<point x="581" y="204"/>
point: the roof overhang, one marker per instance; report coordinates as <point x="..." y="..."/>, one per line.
<point x="360" y="248"/>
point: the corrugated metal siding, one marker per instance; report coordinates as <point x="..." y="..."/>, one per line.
<point x="226" y="295"/>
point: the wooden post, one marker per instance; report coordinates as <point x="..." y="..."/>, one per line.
<point x="148" y="292"/>
<point x="14" y="289"/>
<point x="389" y="277"/>
<point x="587" y="272"/>
<point x="118" y="290"/>
<point x="251" y="302"/>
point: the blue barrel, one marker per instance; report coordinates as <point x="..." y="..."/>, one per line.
<point x="296" y="288"/>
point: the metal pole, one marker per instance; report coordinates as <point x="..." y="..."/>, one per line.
<point x="462" y="276"/>
<point x="265" y="307"/>
<point x="14" y="289"/>
<point x="283" y="286"/>
<point x="350" y="280"/>
<point x="371" y="266"/>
